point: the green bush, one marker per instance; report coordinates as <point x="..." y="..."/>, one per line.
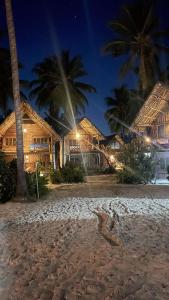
<point x="138" y="161"/>
<point x="70" y="173"/>
<point x="56" y="176"/>
<point x="109" y="170"/>
<point x="126" y="176"/>
<point x="7" y="180"/>
<point x="31" y="180"/>
<point x="168" y="172"/>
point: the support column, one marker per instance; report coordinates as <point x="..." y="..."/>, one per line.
<point x="51" y="150"/>
<point x="54" y="157"/>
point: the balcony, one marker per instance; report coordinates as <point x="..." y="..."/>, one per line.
<point x="39" y="147"/>
<point x="74" y="148"/>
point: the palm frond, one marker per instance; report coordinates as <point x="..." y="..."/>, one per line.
<point x="85" y="87"/>
<point x="162" y="48"/>
<point x="119" y="27"/>
<point x="117" y="47"/>
<point x="128" y="65"/>
<point x="130" y="17"/>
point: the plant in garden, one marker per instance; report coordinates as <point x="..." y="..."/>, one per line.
<point x="31" y="181"/>
<point x="168" y="172"/>
<point x="7" y="180"/>
<point x="56" y="176"/>
<point x="137" y="160"/>
<point x="70" y="173"/>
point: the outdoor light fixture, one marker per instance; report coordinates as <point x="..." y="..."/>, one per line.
<point x="24" y="130"/>
<point x="27" y="156"/>
<point x="112" y="158"/>
<point x="147" y="139"/>
<point x="77" y="135"/>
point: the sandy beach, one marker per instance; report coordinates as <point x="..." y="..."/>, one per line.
<point x="52" y="249"/>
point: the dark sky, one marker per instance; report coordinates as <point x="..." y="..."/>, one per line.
<point x="44" y="26"/>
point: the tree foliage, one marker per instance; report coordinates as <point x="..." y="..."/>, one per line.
<point x="137" y="35"/>
<point x="137" y="159"/>
<point x="57" y="86"/>
<point x="6" y="92"/>
<point x="122" y="108"/>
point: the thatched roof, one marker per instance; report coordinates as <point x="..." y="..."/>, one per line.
<point x="34" y="116"/>
<point x="86" y="125"/>
<point x="155" y="103"/>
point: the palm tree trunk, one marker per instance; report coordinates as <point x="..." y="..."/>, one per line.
<point x="142" y="71"/>
<point x="21" y="181"/>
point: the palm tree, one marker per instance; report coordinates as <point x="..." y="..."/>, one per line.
<point x="122" y="109"/>
<point x="21" y="181"/>
<point x="137" y="36"/>
<point x="6" y="92"/>
<point x="57" y="86"/>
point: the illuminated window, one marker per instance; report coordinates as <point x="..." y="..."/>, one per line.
<point x="40" y="140"/>
<point x="10" y="141"/>
<point x="73" y="143"/>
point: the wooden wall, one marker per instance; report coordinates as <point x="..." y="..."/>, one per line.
<point x="30" y="157"/>
<point x="162" y="119"/>
<point x="85" y="142"/>
<point x="33" y="131"/>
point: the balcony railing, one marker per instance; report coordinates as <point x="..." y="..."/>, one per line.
<point x="39" y="147"/>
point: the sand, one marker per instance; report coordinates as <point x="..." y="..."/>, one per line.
<point x="52" y="250"/>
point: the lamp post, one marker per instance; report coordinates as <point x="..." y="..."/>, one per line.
<point x="37" y="182"/>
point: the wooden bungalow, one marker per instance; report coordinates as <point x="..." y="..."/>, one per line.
<point x="39" y="139"/>
<point x="153" y="121"/>
<point x="81" y="145"/>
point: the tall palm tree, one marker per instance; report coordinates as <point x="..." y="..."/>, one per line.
<point x="6" y="91"/>
<point x="137" y="35"/>
<point x="5" y="76"/>
<point x="122" y="109"/>
<point x="21" y="180"/>
<point x="57" y="86"/>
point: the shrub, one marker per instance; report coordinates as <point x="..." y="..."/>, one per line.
<point x="31" y="180"/>
<point x="137" y="159"/>
<point x="168" y="172"/>
<point x="56" y="176"/>
<point x="109" y="170"/>
<point x="125" y="176"/>
<point x="70" y="173"/>
<point x="7" y="180"/>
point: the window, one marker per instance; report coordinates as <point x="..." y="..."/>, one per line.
<point x="161" y="131"/>
<point x="167" y="161"/>
<point x="40" y="140"/>
<point x="10" y="141"/>
<point x="162" y="163"/>
<point x="74" y="145"/>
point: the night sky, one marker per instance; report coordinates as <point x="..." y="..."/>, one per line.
<point x="45" y="26"/>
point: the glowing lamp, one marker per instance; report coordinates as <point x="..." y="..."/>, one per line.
<point x="112" y="158"/>
<point x="147" y="139"/>
<point x="24" y="130"/>
<point x="77" y="135"/>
